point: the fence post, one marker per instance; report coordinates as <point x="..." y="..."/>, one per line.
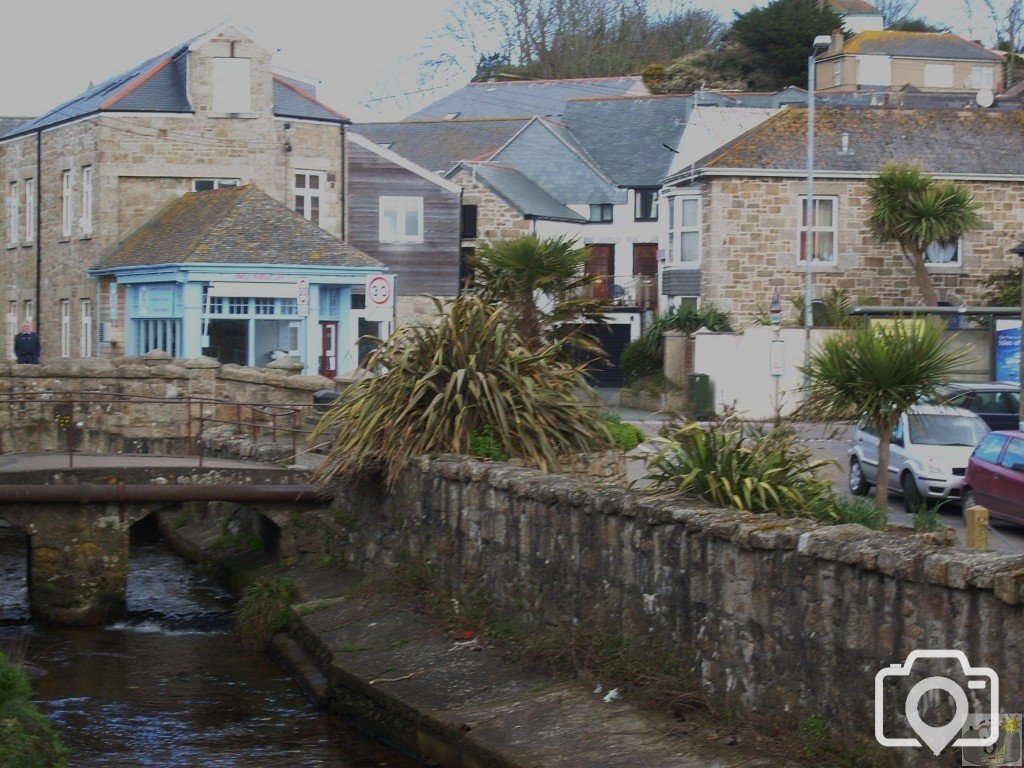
<point x="977" y="527"/>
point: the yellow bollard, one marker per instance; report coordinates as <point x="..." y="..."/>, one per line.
<point x="977" y="527"/>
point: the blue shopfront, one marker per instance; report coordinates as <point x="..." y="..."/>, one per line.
<point x="241" y="314"/>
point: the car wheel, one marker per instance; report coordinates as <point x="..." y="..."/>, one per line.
<point x="911" y="496"/>
<point x="968" y="500"/>
<point x="859" y="486"/>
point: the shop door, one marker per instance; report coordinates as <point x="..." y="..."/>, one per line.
<point x="329" y="350"/>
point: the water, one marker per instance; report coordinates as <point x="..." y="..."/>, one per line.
<point x="170" y="686"/>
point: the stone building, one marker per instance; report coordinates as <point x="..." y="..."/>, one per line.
<point x="207" y="114"/>
<point x="744" y="234"/>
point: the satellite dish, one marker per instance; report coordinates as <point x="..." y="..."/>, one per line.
<point x="985" y="98"/>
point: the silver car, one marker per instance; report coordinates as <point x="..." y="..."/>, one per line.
<point x="928" y="454"/>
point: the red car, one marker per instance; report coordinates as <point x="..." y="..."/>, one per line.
<point x="995" y="476"/>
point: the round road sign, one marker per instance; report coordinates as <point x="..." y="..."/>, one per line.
<point x="379" y="291"/>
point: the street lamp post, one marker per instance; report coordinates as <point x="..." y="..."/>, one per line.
<point x="821" y="41"/>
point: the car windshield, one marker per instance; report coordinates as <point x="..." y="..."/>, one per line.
<point x="945" y="429"/>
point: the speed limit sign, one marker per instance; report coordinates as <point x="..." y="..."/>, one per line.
<point x="380" y="296"/>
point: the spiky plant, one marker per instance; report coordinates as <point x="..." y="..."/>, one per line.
<point x="878" y="373"/>
<point x="912" y="209"/>
<point x="441" y="384"/>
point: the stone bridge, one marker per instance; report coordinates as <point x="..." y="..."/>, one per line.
<point x="77" y="522"/>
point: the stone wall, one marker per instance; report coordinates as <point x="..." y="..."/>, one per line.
<point x="783" y="620"/>
<point x="751" y="243"/>
<point x="495" y="218"/>
<point x="143" y="404"/>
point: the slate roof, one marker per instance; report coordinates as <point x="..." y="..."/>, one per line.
<point x="438" y="145"/>
<point x="917" y="45"/>
<point x="712" y="127"/>
<point x="520" y="98"/>
<point x="519" y="192"/>
<point x="159" y="84"/>
<point x="627" y="137"/>
<point x="971" y="143"/>
<point x="10" y="123"/>
<point x="235" y="225"/>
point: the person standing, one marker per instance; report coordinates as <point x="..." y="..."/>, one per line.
<point x="26" y="345"/>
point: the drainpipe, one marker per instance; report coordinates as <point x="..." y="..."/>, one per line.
<point x="39" y="230"/>
<point x="343" y="183"/>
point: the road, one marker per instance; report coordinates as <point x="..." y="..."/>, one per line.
<point x="832" y="443"/>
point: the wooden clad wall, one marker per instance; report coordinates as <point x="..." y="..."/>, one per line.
<point x="428" y="267"/>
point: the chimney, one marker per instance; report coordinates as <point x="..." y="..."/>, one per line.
<point x="837" y="41"/>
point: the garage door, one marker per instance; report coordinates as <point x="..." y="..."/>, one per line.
<point x="612" y="338"/>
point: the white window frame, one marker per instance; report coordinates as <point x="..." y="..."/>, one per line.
<point x="85" y="341"/>
<point x="30" y="210"/>
<point x="30" y="311"/>
<point x="13" y="213"/>
<point x="956" y="263"/>
<point x="834" y="229"/>
<point x="677" y="229"/>
<point x="638" y="195"/>
<point x="874" y="69"/>
<point x="597" y="212"/>
<point x="231" y="86"/>
<point x="938" y="75"/>
<point x="13" y="325"/>
<point x="837" y="72"/>
<point x="400" y="205"/>
<point x="304" y="195"/>
<point x="216" y="183"/>
<point x="67" y="205"/>
<point x="65" y="328"/>
<point x="86" y="222"/>
<point x="982" y="77"/>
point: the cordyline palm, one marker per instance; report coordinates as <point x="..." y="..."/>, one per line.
<point x="540" y="283"/>
<point x="441" y="383"/>
<point x="912" y="209"/>
<point x="878" y="373"/>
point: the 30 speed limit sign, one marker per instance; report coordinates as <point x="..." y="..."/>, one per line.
<point x="380" y="296"/>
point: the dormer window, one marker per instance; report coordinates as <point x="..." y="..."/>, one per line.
<point x="232" y="86"/>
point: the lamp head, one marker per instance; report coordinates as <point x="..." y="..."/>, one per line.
<point x="821" y="41"/>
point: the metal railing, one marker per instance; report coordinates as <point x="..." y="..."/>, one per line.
<point x="75" y="415"/>
<point x="626" y="290"/>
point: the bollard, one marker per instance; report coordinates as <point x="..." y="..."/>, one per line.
<point x="977" y="527"/>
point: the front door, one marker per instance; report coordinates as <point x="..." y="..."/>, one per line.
<point x="329" y="349"/>
<point x="600" y="263"/>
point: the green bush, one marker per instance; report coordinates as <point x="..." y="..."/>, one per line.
<point x="442" y="383"/>
<point x="483" y="445"/>
<point x="27" y="740"/>
<point x="263" y="610"/>
<point x="754" y="471"/>
<point x="645" y="355"/>
<point x="625" y="436"/>
<point x="859" y="511"/>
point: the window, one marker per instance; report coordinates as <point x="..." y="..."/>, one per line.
<point x="30" y="311"/>
<point x="67" y="211"/>
<point x="982" y="77"/>
<point x="944" y="254"/>
<point x="30" y="209"/>
<point x="12" y="325"/>
<point x="468" y="228"/>
<point x="263" y="306"/>
<point x="837" y="72"/>
<point x="202" y="185"/>
<point x="990" y="448"/>
<point x="874" y="70"/>
<point x="308" y="186"/>
<point x="238" y="305"/>
<point x="824" y="229"/>
<point x="86" y="199"/>
<point x="401" y="219"/>
<point x="13" y="208"/>
<point x="601" y="212"/>
<point x="85" y="341"/>
<point x="684" y="238"/>
<point x="232" y="86"/>
<point x="938" y="75"/>
<point x="645" y="206"/>
<point x="1014" y="456"/>
<point x="65" y="328"/>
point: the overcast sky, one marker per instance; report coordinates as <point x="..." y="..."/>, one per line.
<point x="363" y="52"/>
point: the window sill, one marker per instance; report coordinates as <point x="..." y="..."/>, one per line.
<point x="85" y="236"/>
<point x="64" y="239"/>
<point x="400" y="242"/>
<point x="646" y="221"/>
<point x="29" y="244"/>
<point x="670" y="265"/>
<point x="12" y="246"/>
<point x="817" y="266"/>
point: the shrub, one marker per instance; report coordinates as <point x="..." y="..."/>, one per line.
<point x="756" y="471"/>
<point x="263" y="610"/>
<point x="483" y="445"/>
<point x="859" y="511"/>
<point x="442" y="383"/>
<point x="625" y="436"/>
<point x="646" y="354"/>
<point x="27" y="740"/>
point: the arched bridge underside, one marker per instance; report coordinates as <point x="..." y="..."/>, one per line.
<point x="78" y="521"/>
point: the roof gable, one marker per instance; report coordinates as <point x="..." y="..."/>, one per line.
<point x="239" y="225"/>
<point x="518" y="191"/>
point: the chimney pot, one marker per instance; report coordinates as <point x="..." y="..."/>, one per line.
<point x="837" y="41"/>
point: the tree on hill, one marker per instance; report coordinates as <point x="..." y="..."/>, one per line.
<point x="777" y="39"/>
<point x="895" y="12"/>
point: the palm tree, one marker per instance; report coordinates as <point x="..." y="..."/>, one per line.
<point x="542" y="284"/>
<point x="912" y="209"/>
<point x="878" y="373"/>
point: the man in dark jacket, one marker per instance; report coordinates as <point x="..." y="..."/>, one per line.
<point x="26" y="345"/>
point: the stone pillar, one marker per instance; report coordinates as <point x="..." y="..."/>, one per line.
<point x="78" y="561"/>
<point x="202" y="376"/>
<point x="674" y="368"/>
